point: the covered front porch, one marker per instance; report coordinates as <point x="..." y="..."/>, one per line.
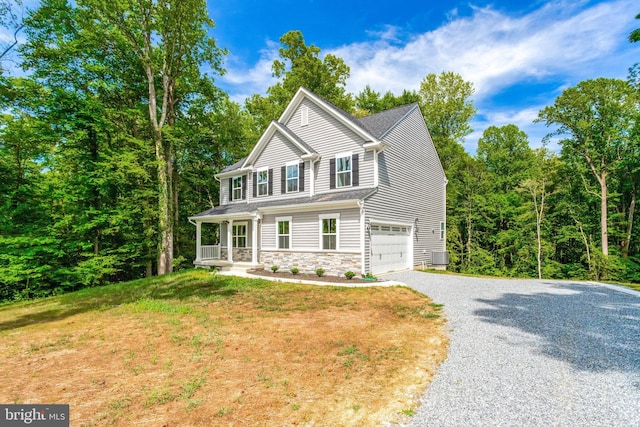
<point x="227" y="242"/>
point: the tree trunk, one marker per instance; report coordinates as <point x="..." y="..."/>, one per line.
<point x="604" y="234"/>
<point x="165" y="223"/>
<point x="627" y="242"/>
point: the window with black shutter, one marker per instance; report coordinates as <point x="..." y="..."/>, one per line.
<point x="332" y="173"/>
<point x="355" y="172"/>
<point x="255" y="184"/>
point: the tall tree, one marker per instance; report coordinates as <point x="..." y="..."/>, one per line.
<point x="300" y="65"/>
<point x="170" y="40"/>
<point x="538" y="186"/>
<point x="598" y="117"/>
<point x="445" y="102"/>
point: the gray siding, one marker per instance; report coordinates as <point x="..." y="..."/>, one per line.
<point x="306" y="229"/>
<point x="224" y="191"/>
<point x="328" y="137"/>
<point x="277" y="153"/>
<point x="411" y="185"/>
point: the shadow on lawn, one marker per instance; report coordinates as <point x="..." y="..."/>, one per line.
<point x="592" y="328"/>
<point x="179" y="286"/>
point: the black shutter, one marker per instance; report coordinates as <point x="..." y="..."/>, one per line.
<point x="283" y="179"/>
<point x="230" y="189"/>
<point x="270" y="182"/>
<point x="355" y="171"/>
<point x="332" y="173"/>
<point x="244" y="187"/>
<point x="255" y="184"/>
<point x="301" y="177"/>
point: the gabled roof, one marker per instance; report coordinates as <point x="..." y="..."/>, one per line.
<point x="342" y="116"/>
<point x="305" y="149"/>
<point x="380" y="124"/>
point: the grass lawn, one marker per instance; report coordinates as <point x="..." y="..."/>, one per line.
<point x="196" y="349"/>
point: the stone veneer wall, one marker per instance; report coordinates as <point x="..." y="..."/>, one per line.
<point x="334" y="263"/>
<point x="239" y="254"/>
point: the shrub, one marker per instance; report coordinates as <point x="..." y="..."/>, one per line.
<point x="295" y="270"/>
<point x="320" y="272"/>
<point x="274" y="268"/>
<point x="349" y="275"/>
<point x="369" y="276"/>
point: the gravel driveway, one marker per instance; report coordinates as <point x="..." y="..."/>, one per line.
<point x="533" y="353"/>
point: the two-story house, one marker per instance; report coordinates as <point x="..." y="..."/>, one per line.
<point x="323" y="189"/>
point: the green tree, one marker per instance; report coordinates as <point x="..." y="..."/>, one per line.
<point x="300" y="65"/>
<point x="445" y="102"/>
<point x="170" y="39"/>
<point x="635" y="34"/>
<point x="598" y="117"/>
<point x="369" y="101"/>
<point x="538" y="186"/>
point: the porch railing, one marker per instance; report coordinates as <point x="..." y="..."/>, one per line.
<point x="210" y="252"/>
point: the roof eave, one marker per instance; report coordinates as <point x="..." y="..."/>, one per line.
<point x="234" y="172"/>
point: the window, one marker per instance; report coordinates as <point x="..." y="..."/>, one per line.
<point x="343" y="170"/>
<point x="237" y="188"/>
<point x="283" y="229"/>
<point x="329" y="231"/>
<point x="292" y="178"/>
<point x="442" y="230"/>
<point x="239" y="233"/>
<point x="262" y="177"/>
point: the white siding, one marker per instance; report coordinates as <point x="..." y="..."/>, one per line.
<point x="411" y="186"/>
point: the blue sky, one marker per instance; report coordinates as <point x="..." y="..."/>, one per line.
<point x="519" y="55"/>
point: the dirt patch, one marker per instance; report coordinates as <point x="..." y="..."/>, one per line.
<point x="277" y="354"/>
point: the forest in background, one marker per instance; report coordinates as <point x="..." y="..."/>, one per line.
<point x="112" y="137"/>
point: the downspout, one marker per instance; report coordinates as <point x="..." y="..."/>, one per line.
<point x="362" y="237"/>
<point x="312" y="180"/>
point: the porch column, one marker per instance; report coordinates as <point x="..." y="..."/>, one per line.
<point x="230" y="241"/>
<point x="198" y="240"/>
<point x="254" y="241"/>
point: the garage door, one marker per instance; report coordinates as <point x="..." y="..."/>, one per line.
<point x="389" y="248"/>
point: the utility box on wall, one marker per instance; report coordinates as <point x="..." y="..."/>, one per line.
<point x="440" y="258"/>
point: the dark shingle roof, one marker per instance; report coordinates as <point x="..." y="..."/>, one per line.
<point x="236" y="208"/>
<point x="234" y="166"/>
<point x="378" y="124"/>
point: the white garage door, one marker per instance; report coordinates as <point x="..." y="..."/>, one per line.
<point x="389" y="248"/>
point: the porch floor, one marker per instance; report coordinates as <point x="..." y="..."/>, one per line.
<point x="225" y="265"/>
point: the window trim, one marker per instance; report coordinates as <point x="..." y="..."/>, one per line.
<point x="443" y="230"/>
<point x="321" y="219"/>
<point x="234" y="188"/>
<point x="347" y="155"/>
<point x="295" y="163"/>
<point x="280" y="219"/>
<point x="235" y="237"/>
<point x="265" y="183"/>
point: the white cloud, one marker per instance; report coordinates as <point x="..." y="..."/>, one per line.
<point x="494" y="50"/>
<point x="255" y="79"/>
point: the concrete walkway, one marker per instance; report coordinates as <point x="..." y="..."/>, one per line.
<point x="533" y="353"/>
